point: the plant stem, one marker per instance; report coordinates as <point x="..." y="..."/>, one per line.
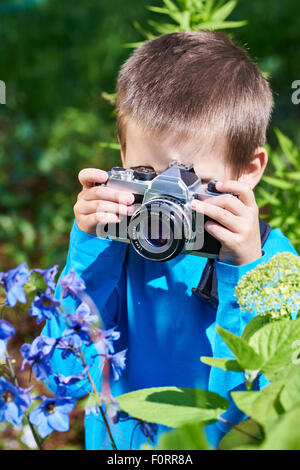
<point x="15" y="380"/>
<point x="238" y="429"/>
<point x="99" y="403"/>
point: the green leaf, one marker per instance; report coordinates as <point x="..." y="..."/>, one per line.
<point x="222" y="13"/>
<point x="170" y="5"/>
<point x="284" y="433"/>
<point x="290" y="396"/>
<point x="294" y="175"/>
<point x="260" y="406"/>
<point x="282" y="184"/>
<point x="173" y="406"/>
<point x="188" y="437"/>
<point x="268" y="198"/>
<point x="235" y="439"/>
<point x="109" y="145"/>
<point x="212" y="25"/>
<point x="245" y="354"/>
<point x="288" y="148"/>
<point x="164" y="28"/>
<point x="273" y="343"/>
<point x="225" y="364"/>
<point x="254" y="325"/>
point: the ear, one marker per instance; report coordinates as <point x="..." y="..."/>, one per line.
<point x="254" y="171"/>
<point x="122" y="150"/>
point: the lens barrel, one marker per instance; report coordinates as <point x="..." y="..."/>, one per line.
<point x="160" y="229"/>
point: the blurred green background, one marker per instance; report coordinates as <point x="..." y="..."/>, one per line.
<point x="60" y="60"/>
<point x="57" y="58"/>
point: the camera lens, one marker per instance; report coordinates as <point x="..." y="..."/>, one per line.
<point x="160" y="239"/>
<point x="159" y="229"/>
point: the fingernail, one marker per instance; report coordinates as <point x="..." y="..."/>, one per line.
<point x="127" y="199"/>
<point x="219" y="184"/>
<point x="130" y="199"/>
<point x="130" y="210"/>
<point x="195" y="203"/>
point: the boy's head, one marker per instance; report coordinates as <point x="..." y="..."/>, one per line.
<point x="194" y="97"/>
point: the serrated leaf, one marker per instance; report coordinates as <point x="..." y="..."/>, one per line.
<point x="187" y="437"/>
<point x="254" y="325"/>
<point x="221" y="363"/>
<point x="290" y="395"/>
<point x="236" y="439"/>
<point x="273" y="343"/>
<point x="260" y="406"/>
<point x="243" y="352"/>
<point x="173" y="406"/>
<point x="284" y="432"/>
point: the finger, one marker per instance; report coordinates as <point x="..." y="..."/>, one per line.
<point x="229" y="202"/>
<point x="92" y="220"/>
<point x="224" y="236"/>
<point x="89" y="207"/>
<point x="223" y="216"/>
<point x="89" y="176"/>
<point x="107" y="194"/>
<point x="242" y="189"/>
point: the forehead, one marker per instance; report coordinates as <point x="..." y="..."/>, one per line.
<point x="204" y="151"/>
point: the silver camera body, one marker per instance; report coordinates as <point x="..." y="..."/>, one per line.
<point x="163" y="224"/>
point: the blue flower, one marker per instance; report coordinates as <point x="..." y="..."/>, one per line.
<point x="14" y="401"/>
<point x="49" y="275"/>
<point x="117" y="362"/>
<point x="83" y="315"/>
<point x="44" y="307"/>
<point x="149" y="429"/>
<point x="13" y="282"/>
<point x="80" y="327"/>
<point x="38" y="355"/>
<point x="71" y="285"/>
<point x="52" y="414"/>
<point x="104" y="339"/>
<point x="6" y="332"/>
<point x="63" y="382"/>
<point x="67" y="345"/>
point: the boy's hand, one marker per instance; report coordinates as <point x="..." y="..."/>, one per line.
<point x="99" y="204"/>
<point x="239" y="231"/>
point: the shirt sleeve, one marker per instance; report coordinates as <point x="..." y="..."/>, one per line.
<point x="100" y="263"/>
<point x="230" y="317"/>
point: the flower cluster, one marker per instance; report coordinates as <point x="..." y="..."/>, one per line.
<point x="272" y="289"/>
<point x="80" y="331"/>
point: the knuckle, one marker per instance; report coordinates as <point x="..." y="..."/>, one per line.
<point x="75" y="209"/>
<point x="81" y="174"/>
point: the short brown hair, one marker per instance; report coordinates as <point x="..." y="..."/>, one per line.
<point x="187" y="82"/>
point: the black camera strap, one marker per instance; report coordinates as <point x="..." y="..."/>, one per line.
<point x="208" y="287"/>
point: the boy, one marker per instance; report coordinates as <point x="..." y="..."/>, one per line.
<point x="194" y="97"/>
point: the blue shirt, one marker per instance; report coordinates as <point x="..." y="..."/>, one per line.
<point x="165" y="327"/>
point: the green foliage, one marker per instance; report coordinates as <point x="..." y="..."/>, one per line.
<point x="269" y="346"/>
<point x="173" y="406"/>
<point x="189" y="15"/>
<point x="279" y="190"/>
<point x="187" y="437"/>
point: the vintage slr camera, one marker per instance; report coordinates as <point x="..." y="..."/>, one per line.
<point x="163" y="224"/>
